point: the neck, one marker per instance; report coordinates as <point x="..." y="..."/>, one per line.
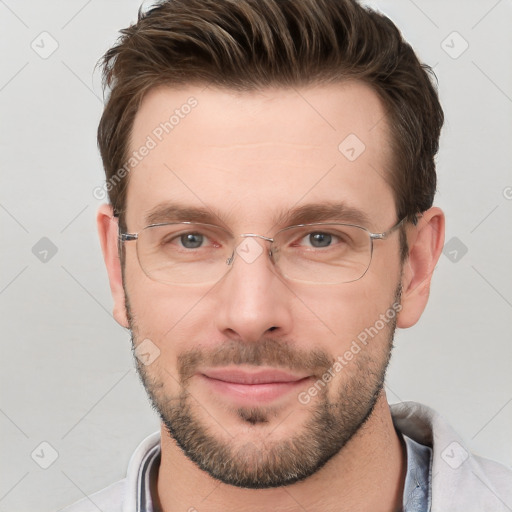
<point x="367" y="474"/>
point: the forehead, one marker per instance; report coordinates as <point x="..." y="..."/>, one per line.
<point x="250" y="156"/>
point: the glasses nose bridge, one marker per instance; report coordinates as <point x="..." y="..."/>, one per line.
<point x="230" y="260"/>
<point x="263" y="237"/>
<point x="255" y="235"/>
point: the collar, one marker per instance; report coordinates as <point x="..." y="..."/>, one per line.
<point x="144" y="463"/>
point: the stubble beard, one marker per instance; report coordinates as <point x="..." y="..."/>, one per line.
<point x="265" y="463"/>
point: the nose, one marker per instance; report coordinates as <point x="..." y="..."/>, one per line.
<point x="253" y="300"/>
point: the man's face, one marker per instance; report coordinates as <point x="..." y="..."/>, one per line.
<point x="235" y="379"/>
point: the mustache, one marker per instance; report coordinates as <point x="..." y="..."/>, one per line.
<point x="267" y="352"/>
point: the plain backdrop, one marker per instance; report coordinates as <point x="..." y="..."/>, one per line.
<point x="68" y="378"/>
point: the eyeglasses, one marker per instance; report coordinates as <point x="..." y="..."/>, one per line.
<point x="195" y="253"/>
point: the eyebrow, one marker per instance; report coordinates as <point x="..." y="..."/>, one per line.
<point x="175" y="212"/>
<point x="324" y="212"/>
<point x="305" y="214"/>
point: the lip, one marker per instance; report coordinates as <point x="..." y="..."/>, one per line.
<point x="261" y="385"/>
<point x="259" y="376"/>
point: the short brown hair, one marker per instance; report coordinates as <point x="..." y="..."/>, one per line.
<point x="252" y="44"/>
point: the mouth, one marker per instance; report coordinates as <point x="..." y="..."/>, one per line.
<point x="252" y="386"/>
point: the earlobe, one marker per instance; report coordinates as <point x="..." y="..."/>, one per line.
<point x="425" y="241"/>
<point x="108" y="234"/>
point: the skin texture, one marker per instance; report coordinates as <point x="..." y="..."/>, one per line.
<point x="250" y="157"/>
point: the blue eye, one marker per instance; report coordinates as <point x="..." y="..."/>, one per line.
<point x="320" y="239"/>
<point x="191" y="240"/>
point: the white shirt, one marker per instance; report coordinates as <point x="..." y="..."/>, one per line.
<point x="442" y="475"/>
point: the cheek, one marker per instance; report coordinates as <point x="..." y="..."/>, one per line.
<point x="362" y="320"/>
<point x="160" y="308"/>
<point x="343" y="312"/>
<point x="169" y="319"/>
<point x="174" y="318"/>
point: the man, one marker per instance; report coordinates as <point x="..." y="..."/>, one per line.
<point x="270" y="168"/>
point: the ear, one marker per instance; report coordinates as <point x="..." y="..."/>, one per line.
<point x="108" y="233"/>
<point x="425" y="242"/>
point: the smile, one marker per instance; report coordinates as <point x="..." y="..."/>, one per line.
<point x="245" y="387"/>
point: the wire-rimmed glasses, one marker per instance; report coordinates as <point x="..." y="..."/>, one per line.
<point x="196" y="253"/>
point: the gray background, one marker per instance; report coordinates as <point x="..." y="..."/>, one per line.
<point x="67" y="375"/>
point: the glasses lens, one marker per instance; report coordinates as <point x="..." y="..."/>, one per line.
<point x="184" y="253"/>
<point x="323" y="253"/>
